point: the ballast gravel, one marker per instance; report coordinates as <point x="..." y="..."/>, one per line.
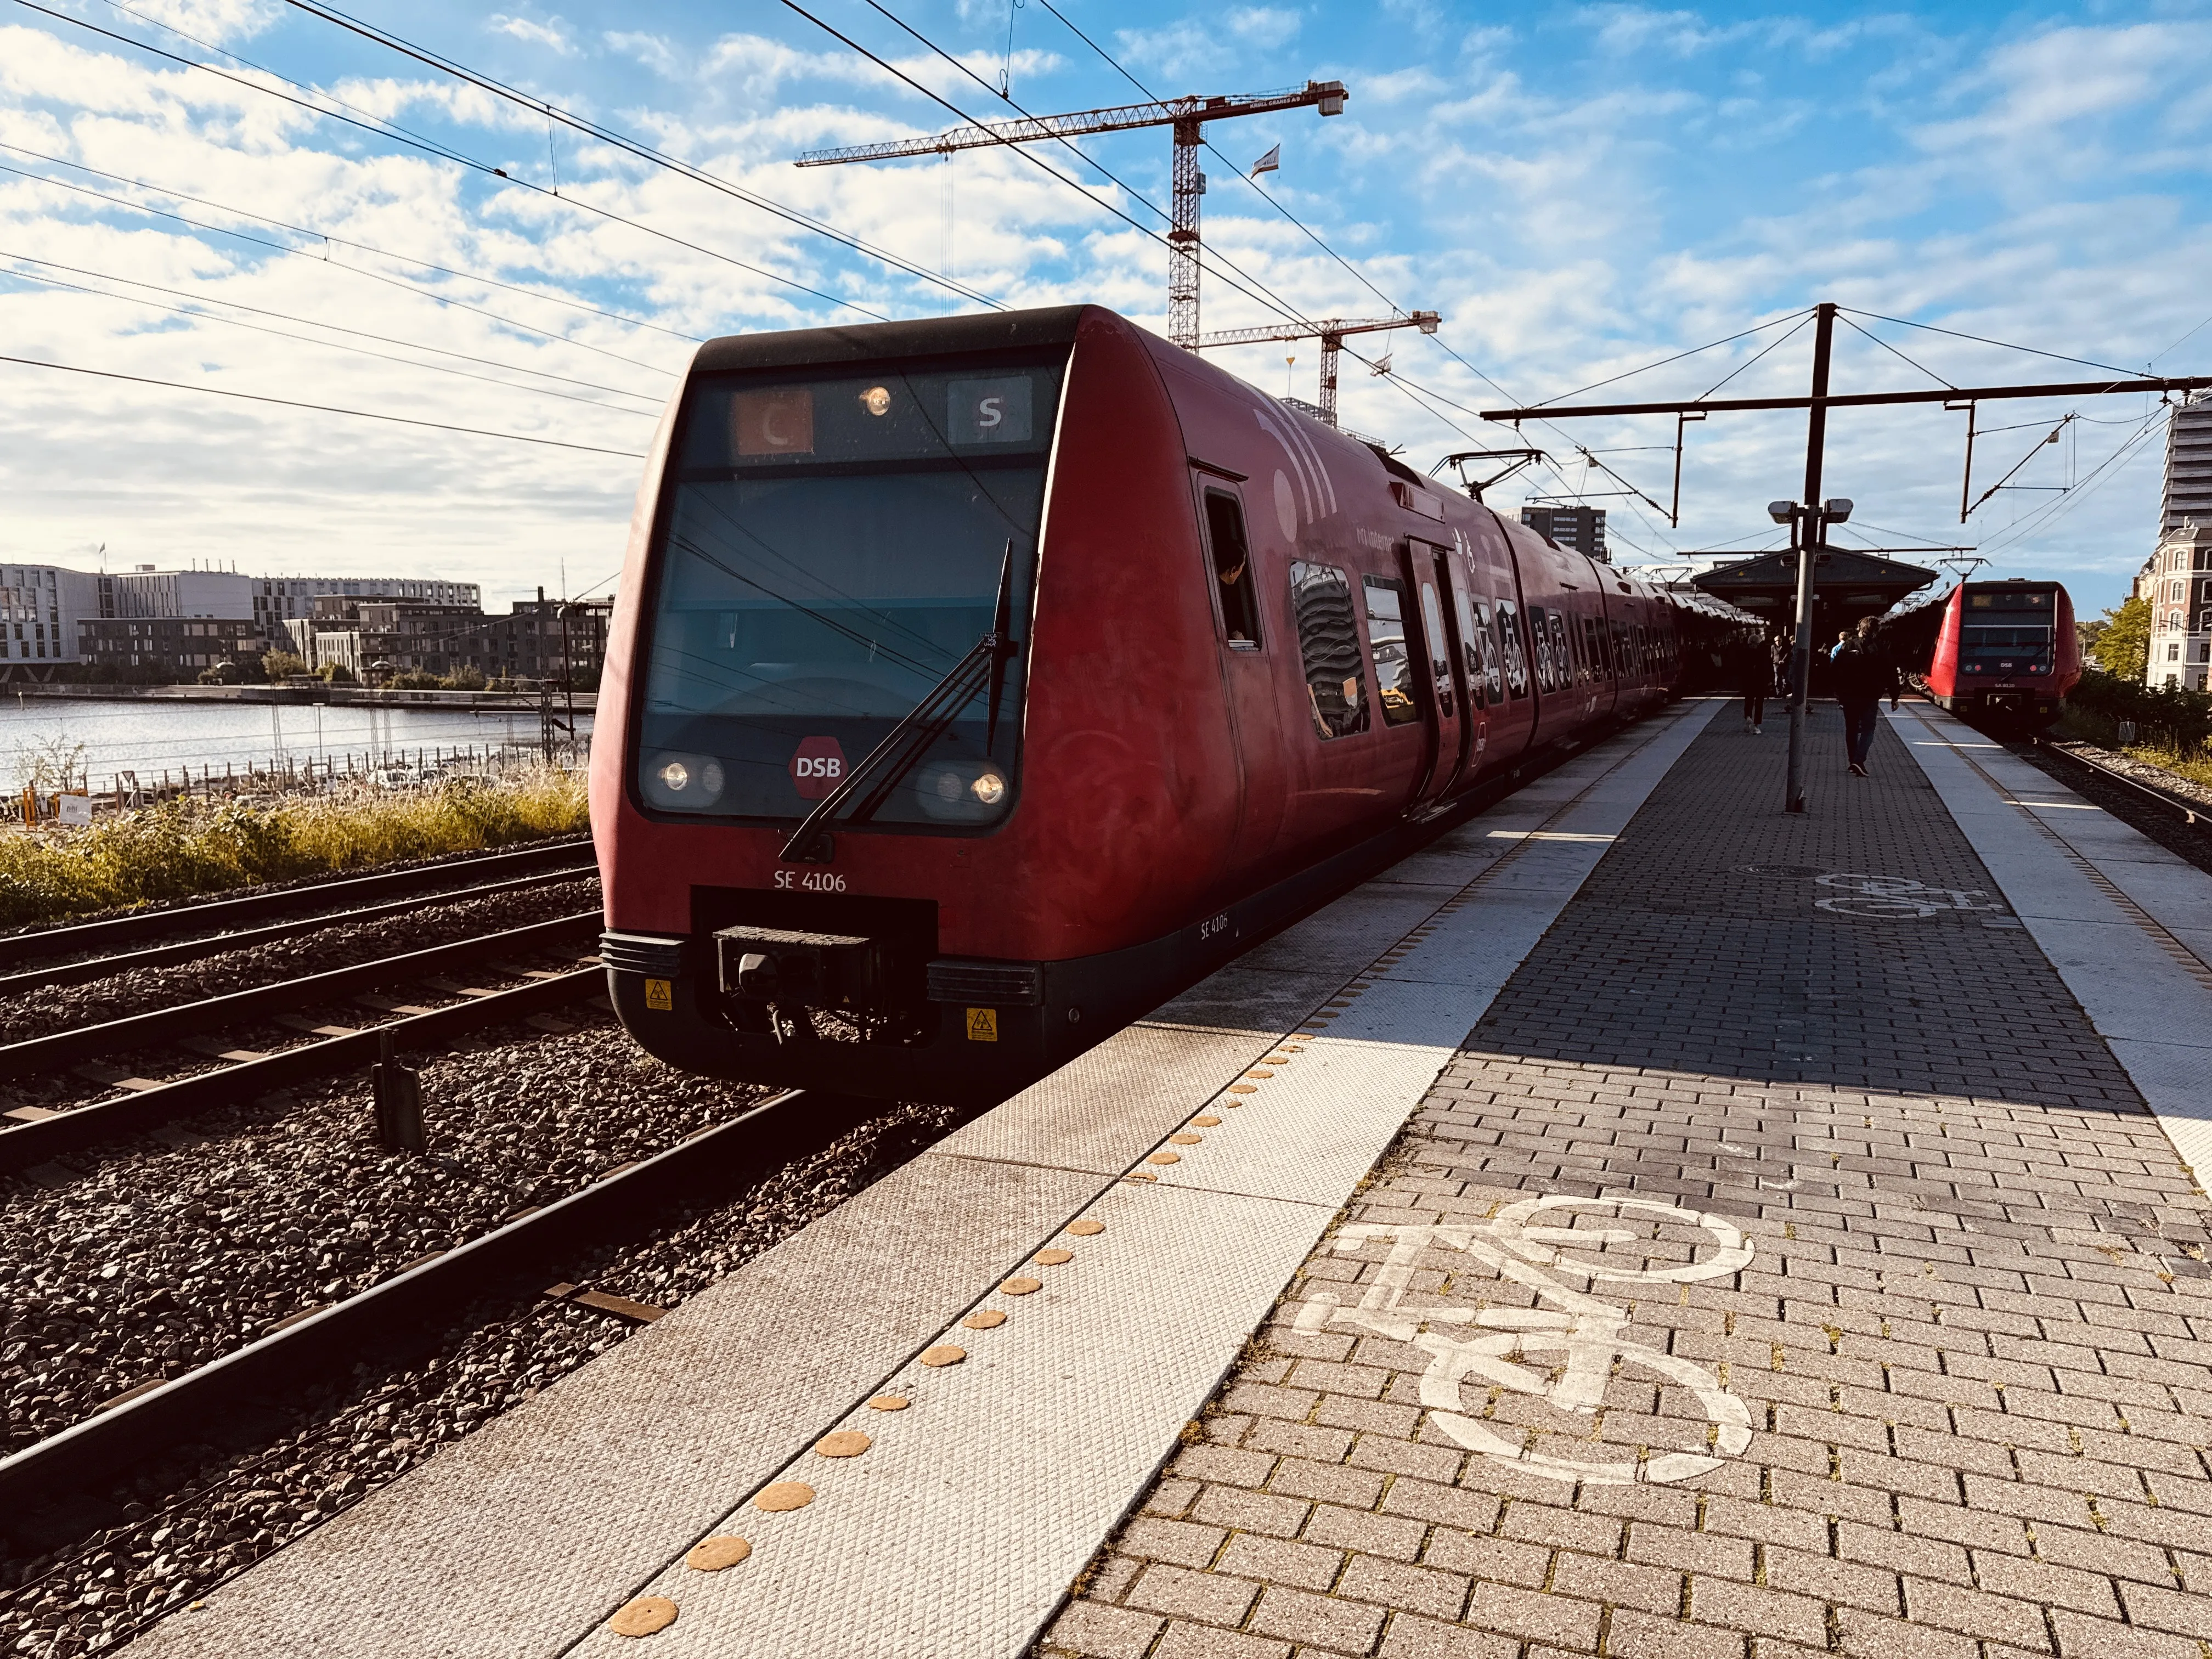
<point x="159" y="1260"/>
<point x="42" y="1009"/>
<point x="187" y="1533"/>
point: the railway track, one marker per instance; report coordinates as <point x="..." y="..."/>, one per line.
<point x="52" y="1492"/>
<point x="553" y="861"/>
<point x="38" y="1134"/>
<point x="2175" y="820"/>
<point x="88" y="968"/>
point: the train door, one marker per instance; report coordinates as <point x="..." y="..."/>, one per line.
<point x="1234" y="564"/>
<point x="1428" y="580"/>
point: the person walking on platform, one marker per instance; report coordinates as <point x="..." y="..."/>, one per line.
<point x="1863" y="675"/>
<point x="1752" y="668"/>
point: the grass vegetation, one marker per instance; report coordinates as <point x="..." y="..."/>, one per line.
<point x="182" y="848"/>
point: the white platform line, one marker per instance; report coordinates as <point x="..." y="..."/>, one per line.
<point x="959" y="1531"/>
<point x="2131" y="962"/>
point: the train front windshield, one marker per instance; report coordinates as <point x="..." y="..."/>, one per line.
<point x="833" y="548"/>
<point x="2006" y="630"/>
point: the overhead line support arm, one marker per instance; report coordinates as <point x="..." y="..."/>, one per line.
<point x="1858" y="399"/>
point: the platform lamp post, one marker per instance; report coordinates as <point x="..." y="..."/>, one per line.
<point x="1809" y="533"/>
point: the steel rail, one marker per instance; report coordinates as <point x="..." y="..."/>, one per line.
<point x="29" y="946"/>
<point x="52" y="1493"/>
<point x="161" y="955"/>
<point x="188" y="1019"/>
<point x="73" y="1130"/>
<point x="2195" y="812"/>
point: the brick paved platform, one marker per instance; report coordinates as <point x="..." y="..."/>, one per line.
<point x="1955" y="1402"/>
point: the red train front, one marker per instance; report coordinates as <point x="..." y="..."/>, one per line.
<point x="2006" y="651"/>
<point x="1250" y="660"/>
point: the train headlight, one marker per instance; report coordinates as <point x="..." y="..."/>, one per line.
<point x="682" y="783"/>
<point x="877" y="400"/>
<point x="962" y="791"/>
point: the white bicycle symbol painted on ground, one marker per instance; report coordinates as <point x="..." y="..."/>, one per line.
<point x="1586" y="1332"/>
<point x="1886" y="897"/>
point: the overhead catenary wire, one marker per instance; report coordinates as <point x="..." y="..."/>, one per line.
<point x="2007" y="345"/>
<point x="606" y="135"/>
<point x="320" y="409"/>
<point x="1901" y="356"/>
<point x="1388" y="374"/>
<point x="569" y="301"/>
<point x="338" y="328"/>
<point x="432" y="295"/>
<point x="446" y="152"/>
<point x="1263" y="297"/>
<point x="306" y="339"/>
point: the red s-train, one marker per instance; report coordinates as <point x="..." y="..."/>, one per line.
<point x="978" y="683"/>
<point x="2006" y="651"/>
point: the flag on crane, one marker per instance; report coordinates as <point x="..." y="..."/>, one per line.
<point x="1271" y="162"/>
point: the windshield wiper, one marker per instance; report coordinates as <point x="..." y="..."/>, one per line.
<point x="885" y="766"/>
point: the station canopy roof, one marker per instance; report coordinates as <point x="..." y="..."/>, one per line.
<point x="1846" y="586"/>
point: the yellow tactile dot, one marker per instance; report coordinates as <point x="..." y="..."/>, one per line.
<point x="1086" y="1228"/>
<point x="784" y="1495"/>
<point x="1021" y="1286"/>
<point x="846" y="1442"/>
<point x="1054" y="1256"/>
<point x="1243" y="1088"/>
<point x="1165" y="1157"/>
<point x="1232" y="1102"/>
<point x="1204" y="1121"/>
<point x="944" y="1354"/>
<point x="1279" y="1060"/>
<point x="713" y="1554"/>
<point x="1185" y="1139"/>
<point x="984" y="1319"/>
<point x="894" y="1402"/>
<point x="1260" y="1073"/>
<point x="643" y="1616"/>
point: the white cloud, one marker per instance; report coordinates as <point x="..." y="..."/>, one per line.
<point x="1210" y="44"/>
<point x="216" y="22"/>
<point x="554" y="35"/>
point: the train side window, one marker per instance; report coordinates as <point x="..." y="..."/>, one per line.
<point x="1232" y="570"/>
<point x="1386" y="638"/>
<point x="1328" y="647"/>
<point x="1475" y="648"/>
<point x="1440" y="668"/>
<point x="1540" y="646"/>
<point x="1508" y="641"/>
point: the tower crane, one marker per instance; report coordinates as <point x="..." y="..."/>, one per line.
<point x="1187" y="116"/>
<point x="1331" y="332"/>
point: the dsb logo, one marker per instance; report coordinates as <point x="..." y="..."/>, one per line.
<point x="817" y="766"/>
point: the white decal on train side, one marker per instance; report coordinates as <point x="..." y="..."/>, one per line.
<point x="1327" y="487"/>
<point x="1298" y="462"/>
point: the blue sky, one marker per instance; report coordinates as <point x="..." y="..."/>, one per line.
<point x="1579" y="191"/>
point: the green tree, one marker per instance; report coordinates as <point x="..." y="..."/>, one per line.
<point x="2120" y="639"/>
<point x="277" y="664"/>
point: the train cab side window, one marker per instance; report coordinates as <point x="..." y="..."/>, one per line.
<point x="1508" y="641"/>
<point x="1328" y="647"/>
<point x="1386" y="637"/>
<point x="1232" y="570"/>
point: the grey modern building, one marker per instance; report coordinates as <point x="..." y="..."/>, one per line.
<point x="1578" y="529"/>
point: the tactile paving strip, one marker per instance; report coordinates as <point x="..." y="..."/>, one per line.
<point x="960" y="1531"/>
<point x="522" y="1539"/>
<point x="2095" y="895"/>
